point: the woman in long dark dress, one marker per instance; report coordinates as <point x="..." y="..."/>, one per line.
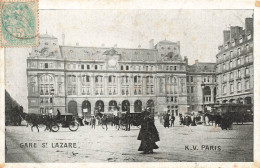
<point x="148" y="134"/>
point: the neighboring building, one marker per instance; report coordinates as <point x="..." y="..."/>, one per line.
<point x="79" y="80"/>
<point x="201" y="86"/>
<point x="235" y="69"/>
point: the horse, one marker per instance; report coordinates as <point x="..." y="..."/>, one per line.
<point x="35" y="120"/>
<point x="213" y="118"/>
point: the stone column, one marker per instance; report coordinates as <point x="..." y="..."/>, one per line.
<point x="105" y="81"/>
<point x="119" y="84"/>
<point x="92" y="85"/>
<point x="131" y="85"/>
<point x="79" y="84"/>
<point x="143" y="84"/>
<point x="212" y="94"/>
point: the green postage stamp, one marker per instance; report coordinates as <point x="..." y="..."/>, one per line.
<point x="19" y="23"/>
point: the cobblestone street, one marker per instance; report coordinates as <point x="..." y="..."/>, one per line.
<point x="177" y="144"/>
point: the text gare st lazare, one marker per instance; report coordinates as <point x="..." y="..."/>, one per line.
<point x="48" y="145"/>
<point x="202" y="147"/>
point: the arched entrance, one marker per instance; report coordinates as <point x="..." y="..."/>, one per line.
<point x="232" y="101"/>
<point x="86" y="109"/>
<point x="240" y="101"/>
<point x="150" y="105"/>
<point x="248" y="100"/>
<point x="112" y="106"/>
<point x="99" y="106"/>
<point x="72" y="107"/>
<point x="138" y="106"/>
<point x="126" y="106"/>
<point x="225" y="101"/>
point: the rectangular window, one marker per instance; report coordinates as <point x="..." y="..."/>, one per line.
<point x="175" y="68"/>
<point x="74" y="66"/>
<point x="46" y="65"/>
<point x="192" y="89"/>
<point x="239" y="51"/>
<point x="231" y="88"/>
<point x="238" y="86"/>
<point x="96" y="67"/>
<point x="191" y="79"/>
<point x="88" y="67"/>
<point x="238" y="73"/>
<point x="238" y="61"/>
<point x="127" y="68"/>
<point x="82" y="66"/>
<point x="247" y="85"/>
<point x="247" y="71"/>
<point x="231" y="54"/>
<point x="187" y="79"/>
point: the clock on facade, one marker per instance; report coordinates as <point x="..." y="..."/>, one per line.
<point x="112" y="62"/>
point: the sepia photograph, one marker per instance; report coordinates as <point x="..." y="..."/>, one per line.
<point x="103" y="85"/>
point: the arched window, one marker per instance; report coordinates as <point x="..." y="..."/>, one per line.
<point x="138" y="106"/>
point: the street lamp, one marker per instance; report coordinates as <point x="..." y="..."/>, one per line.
<point x="52" y="93"/>
<point x="203" y="86"/>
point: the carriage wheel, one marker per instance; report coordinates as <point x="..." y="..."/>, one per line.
<point x="73" y="126"/>
<point x="55" y="127"/>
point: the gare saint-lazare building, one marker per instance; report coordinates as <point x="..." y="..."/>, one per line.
<point x="79" y="80"/>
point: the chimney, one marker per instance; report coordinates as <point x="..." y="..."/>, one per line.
<point x="139" y="46"/>
<point x="226" y="35"/>
<point x="249" y="25"/>
<point x="77" y="44"/>
<point x="235" y="32"/>
<point x="186" y="60"/>
<point x="63" y="39"/>
<point x="115" y="46"/>
<point x="151" y="44"/>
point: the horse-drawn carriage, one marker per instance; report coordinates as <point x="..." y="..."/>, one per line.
<point x="51" y="123"/>
<point x="225" y="114"/>
<point x="65" y="121"/>
<point x="122" y="120"/>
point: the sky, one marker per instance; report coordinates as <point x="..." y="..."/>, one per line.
<point x="200" y="32"/>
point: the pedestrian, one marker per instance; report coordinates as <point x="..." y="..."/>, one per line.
<point x="148" y="133"/>
<point x="172" y="120"/>
<point x="128" y="121"/>
<point x="193" y="118"/>
<point x="104" y="121"/>
<point x="93" y="122"/>
<point x="167" y="121"/>
<point x="58" y="115"/>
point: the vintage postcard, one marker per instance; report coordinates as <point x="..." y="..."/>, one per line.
<point x="99" y="85"/>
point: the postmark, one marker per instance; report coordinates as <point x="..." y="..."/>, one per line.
<point x="19" y="23"/>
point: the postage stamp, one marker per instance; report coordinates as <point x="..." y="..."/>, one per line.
<point x="19" y="23"/>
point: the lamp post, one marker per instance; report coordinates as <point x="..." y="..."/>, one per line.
<point x="52" y="93"/>
<point x="202" y="86"/>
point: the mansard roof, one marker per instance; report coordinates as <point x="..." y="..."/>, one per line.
<point x="100" y="53"/>
<point x="202" y="67"/>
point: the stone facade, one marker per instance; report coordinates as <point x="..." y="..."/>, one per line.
<point x="235" y="69"/>
<point x="78" y="80"/>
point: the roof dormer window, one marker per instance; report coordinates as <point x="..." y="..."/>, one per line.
<point x="54" y="44"/>
<point x="46" y="43"/>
